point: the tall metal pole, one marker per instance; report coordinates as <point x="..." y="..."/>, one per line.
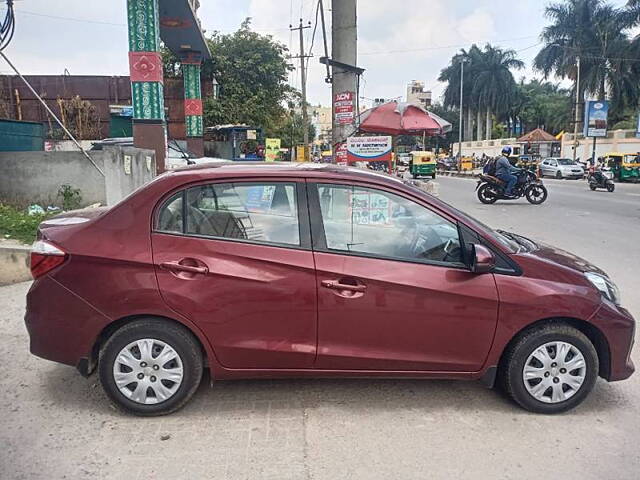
<point x="577" y="113"/>
<point x="303" y="76"/>
<point x="460" y="127"/>
<point x="344" y="49"/>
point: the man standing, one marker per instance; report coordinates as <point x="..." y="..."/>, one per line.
<point x="505" y="172"/>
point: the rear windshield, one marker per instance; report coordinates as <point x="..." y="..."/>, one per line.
<point x="565" y="161"/>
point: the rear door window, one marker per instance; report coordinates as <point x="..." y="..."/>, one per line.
<point x="256" y="212"/>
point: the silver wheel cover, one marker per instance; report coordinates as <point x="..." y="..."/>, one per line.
<point x="554" y="372"/>
<point x="148" y="371"/>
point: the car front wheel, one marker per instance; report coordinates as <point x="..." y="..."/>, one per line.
<point x="550" y="369"/>
<point x="150" y="367"/>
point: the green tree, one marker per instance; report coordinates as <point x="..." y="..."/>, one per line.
<point x="251" y="70"/>
<point x="543" y="105"/>
<point x="489" y="86"/>
<point x="597" y="33"/>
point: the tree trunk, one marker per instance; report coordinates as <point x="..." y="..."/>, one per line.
<point x="488" y="125"/>
<point x="468" y="126"/>
<point x="479" y="125"/>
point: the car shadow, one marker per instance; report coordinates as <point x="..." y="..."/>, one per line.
<point x="70" y="391"/>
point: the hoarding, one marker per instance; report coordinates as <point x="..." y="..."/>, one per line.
<point x="343" y="108"/>
<point x="595" y="118"/>
<point x="369" y="149"/>
<point x="271" y="149"/>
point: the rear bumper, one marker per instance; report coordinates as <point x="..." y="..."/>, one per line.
<point x="618" y="326"/>
<point x="62" y="327"/>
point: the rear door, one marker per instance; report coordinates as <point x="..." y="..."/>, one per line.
<point x="235" y="258"/>
<point x="393" y="292"/>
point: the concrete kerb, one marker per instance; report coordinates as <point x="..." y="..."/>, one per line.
<point x="14" y="263"/>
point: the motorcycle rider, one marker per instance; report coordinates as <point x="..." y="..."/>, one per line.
<point x="505" y="171"/>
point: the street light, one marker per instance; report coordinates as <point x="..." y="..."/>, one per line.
<point x="462" y="62"/>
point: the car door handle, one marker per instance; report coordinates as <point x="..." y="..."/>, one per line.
<point x="178" y="267"/>
<point x="336" y="285"/>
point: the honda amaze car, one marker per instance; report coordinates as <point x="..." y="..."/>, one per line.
<point x="314" y="271"/>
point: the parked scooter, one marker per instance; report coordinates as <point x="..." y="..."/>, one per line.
<point x="600" y="179"/>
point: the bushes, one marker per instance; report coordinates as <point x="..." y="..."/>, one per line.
<point x="18" y="225"/>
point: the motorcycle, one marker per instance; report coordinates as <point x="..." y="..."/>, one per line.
<point x="491" y="189"/>
<point x="600" y="179"/>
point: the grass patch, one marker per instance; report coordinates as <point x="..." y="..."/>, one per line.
<point x="17" y="224"/>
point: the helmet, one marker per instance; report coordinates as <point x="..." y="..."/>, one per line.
<point x="506" y="151"/>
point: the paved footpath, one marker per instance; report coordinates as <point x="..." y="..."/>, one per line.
<point x="55" y="424"/>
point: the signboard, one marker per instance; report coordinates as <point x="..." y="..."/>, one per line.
<point x="251" y="135"/>
<point x="271" y="149"/>
<point x="638" y="127"/>
<point x="343" y="109"/>
<point x="369" y="149"/>
<point x="341" y="153"/>
<point x="595" y="118"/>
<point x="302" y="153"/>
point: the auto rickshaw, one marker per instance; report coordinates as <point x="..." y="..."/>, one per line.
<point x="466" y="163"/>
<point x="527" y="162"/>
<point x="422" y="164"/>
<point x="625" y="166"/>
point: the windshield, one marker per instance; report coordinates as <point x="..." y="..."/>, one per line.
<point x="565" y="161"/>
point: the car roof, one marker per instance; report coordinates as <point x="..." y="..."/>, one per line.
<point x="286" y="169"/>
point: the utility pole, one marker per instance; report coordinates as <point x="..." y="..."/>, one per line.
<point x="344" y="49"/>
<point x="303" y="77"/>
<point x="577" y="113"/>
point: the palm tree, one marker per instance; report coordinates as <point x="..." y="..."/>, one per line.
<point x="595" y="33"/>
<point x="494" y="87"/>
<point x="488" y="85"/>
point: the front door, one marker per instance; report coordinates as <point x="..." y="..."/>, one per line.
<point x="393" y="292"/>
<point x="235" y="259"/>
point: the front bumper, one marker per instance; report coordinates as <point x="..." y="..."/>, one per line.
<point x="618" y="326"/>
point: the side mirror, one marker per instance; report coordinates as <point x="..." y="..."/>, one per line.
<point x="482" y="260"/>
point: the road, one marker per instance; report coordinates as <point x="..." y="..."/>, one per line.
<point x="56" y="424"/>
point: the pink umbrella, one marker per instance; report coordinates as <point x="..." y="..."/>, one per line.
<point x="395" y="118"/>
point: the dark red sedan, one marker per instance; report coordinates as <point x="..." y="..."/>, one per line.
<point x="309" y="271"/>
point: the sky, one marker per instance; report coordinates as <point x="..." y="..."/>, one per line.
<point x="398" y="40"/>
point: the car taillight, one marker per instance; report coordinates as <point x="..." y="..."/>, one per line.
<point x="45" y="257"/>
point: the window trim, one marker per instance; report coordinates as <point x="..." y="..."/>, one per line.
<point x="304" y="233"/>
<point x="319" y="240"/>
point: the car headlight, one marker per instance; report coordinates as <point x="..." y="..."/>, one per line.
<point x="607" y="287"/>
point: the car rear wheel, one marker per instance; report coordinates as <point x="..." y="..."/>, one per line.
<point x="550" y="369"/>
<point x="150" y="367"/>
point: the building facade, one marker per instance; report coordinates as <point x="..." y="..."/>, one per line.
<point x="417" y="94"/>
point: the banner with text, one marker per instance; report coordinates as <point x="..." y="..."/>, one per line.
<point x="343" y="109"/>
<point x="369" y="149"/>
<point x="595" y="118"/>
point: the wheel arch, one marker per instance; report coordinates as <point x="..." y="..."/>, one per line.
<point x="593" y="333"/>
<point x="86" y="366"/>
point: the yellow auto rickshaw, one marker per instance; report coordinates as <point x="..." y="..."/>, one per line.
<point x="422" y="164"/>
<point x="625" y="166"/>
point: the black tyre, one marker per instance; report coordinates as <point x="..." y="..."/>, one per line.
<point x="486" y="194"/>
<point x="151" y="367"/>
<point x="550" y="369"/>
<point x="611" y="187"/>
<point x="559" y="175"/>
<point x="536" y="194"/>
<point x="433" y="175"/>
<point x="592" y="186"/>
